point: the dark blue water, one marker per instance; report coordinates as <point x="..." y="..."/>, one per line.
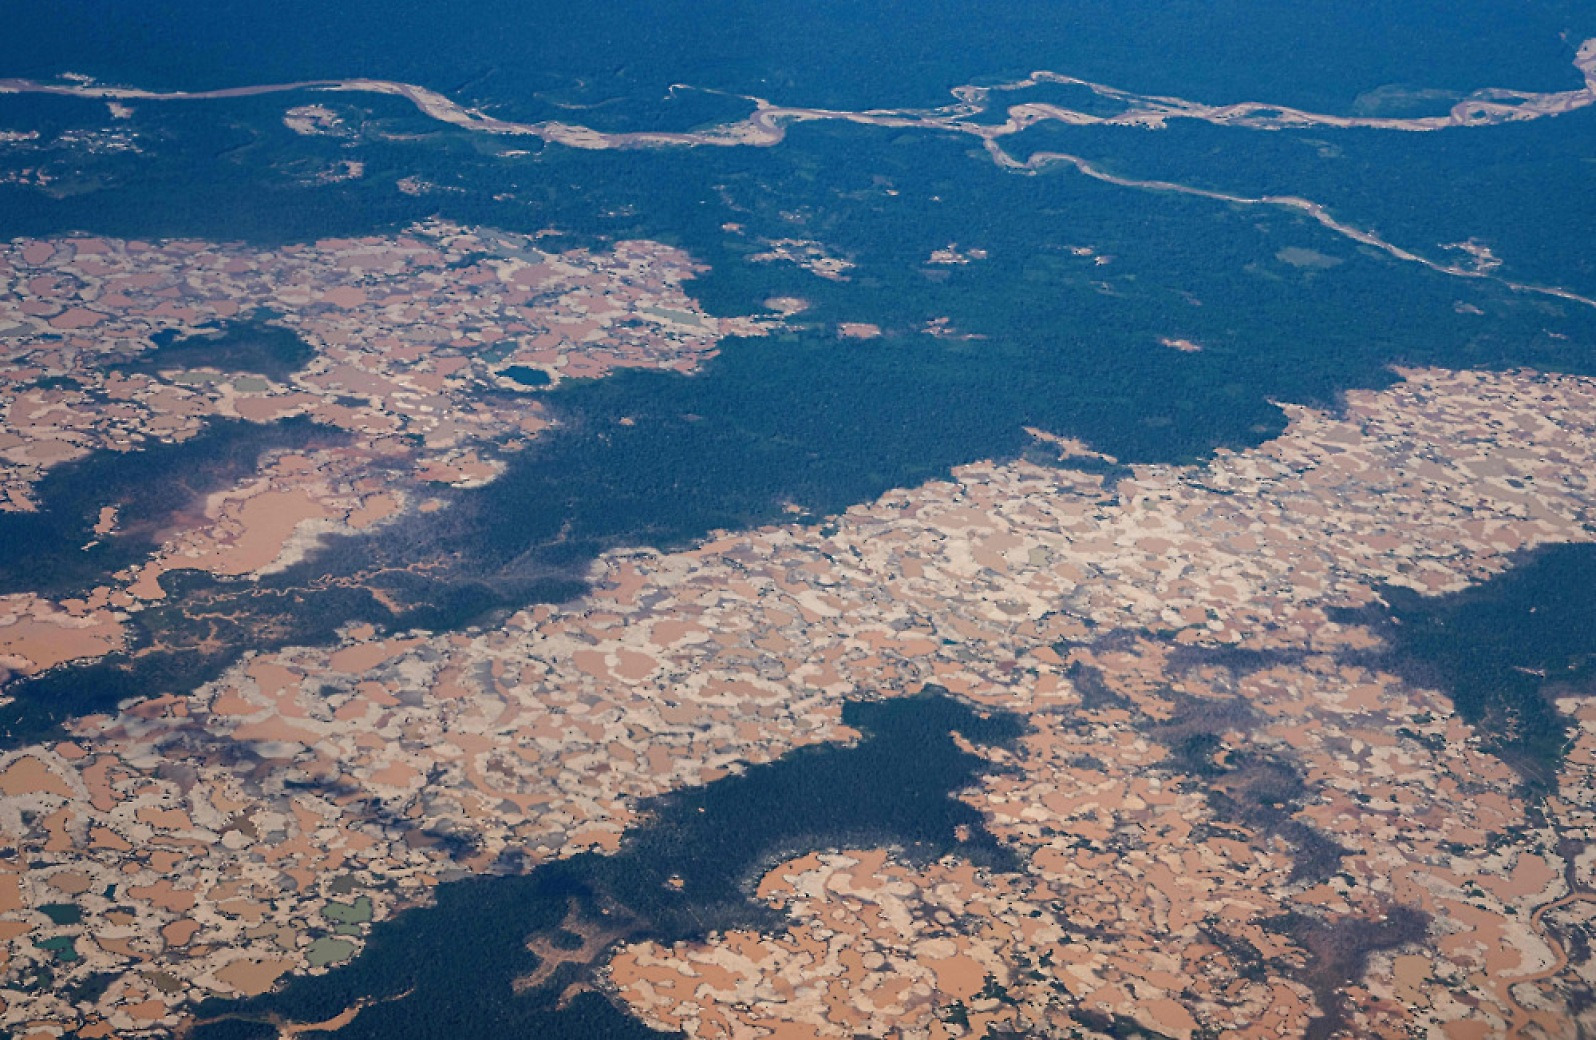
<point x="458" y="959"/>
<point x="827" y="52"/>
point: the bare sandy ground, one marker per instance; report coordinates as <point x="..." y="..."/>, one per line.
<point x="767" y="126"/>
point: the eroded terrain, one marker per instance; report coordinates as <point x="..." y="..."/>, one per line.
<point x="417" y="353"/>
<point x="335" y="694"/>
<point x="1230" y="816"/>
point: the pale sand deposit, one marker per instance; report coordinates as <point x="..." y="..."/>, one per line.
<point x="1027" y="588"/>
<point x="36" y="635"/>
<point x="767" y="126"/>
